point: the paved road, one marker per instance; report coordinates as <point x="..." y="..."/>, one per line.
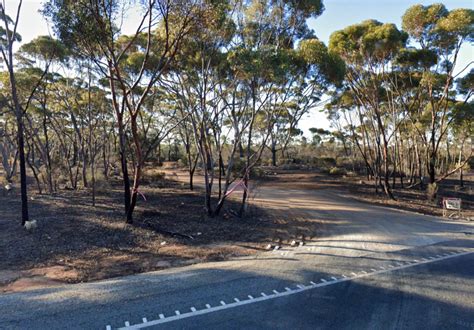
<point x="369" y="268"/>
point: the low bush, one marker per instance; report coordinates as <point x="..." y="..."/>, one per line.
<point x="337" y="171"/>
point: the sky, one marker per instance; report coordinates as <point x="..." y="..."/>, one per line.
<point x="337" y="15"/>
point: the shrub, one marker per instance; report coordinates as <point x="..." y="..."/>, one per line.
<point x="337" y="171"/>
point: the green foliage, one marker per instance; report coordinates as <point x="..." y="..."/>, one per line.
<point x="420" y="21"/>
<point x="413" y="58"/>
<point x="369" y="40"/>
<point x="337" y="171"/>
<point x="435" y="27"/>
<point x="45" y="48"/>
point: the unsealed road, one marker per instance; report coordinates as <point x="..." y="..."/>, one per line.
<point x="369" y="268"/>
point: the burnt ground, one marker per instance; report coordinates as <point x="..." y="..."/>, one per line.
<point x="76" y="242"/>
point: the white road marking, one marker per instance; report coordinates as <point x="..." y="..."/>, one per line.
<point x="208" y="306"/>
<point x="281" y="294"/>
<point x="250" y="297"/>
<point x="382" y="267"/>
<point x="374" y="270"/>
<point x="364" y="272"/>
<point x="312" y="282"/>
<point x="276" y="292"/>
<point x="223" y="303"/>
<point x="108" y="327"/>
<point x="144" y="320"/>
<point x="236" y="299"/>
<point x="161" y="316"/>
<point x="343" y="275"/>
<point x="177" y="312"/>
<point x="127" y="324"/>
<point x="323" y="280"/>
<point x="334" y="278"/>
<point x="287" y="289"/>
<point x="416" y="260"/>
<point x="193" y="309"/>
<point x="354" y="274"/>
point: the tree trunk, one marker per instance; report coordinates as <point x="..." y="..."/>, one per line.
<point x="274" y="152"/>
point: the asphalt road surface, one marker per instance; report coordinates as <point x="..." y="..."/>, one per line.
<point x="369" y="268"/>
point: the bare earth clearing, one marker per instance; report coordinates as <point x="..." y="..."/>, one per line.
<point x="361" y="189"/>
<point x="75" y="242"/>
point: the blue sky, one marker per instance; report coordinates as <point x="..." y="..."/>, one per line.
<point x="338" y="14"/>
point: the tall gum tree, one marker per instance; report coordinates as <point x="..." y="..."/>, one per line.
<point x="369" y="49"/>
<point x="437" y="31"/>
<point x="132" y="64"/>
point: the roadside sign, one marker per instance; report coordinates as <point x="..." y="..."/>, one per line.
<point x="451" y="204"/>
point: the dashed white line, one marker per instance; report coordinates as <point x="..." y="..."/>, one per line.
<point x="280" y="294"/>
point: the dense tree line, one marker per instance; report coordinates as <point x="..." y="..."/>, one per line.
<point x="224" y="83"/>
<point x="403" y="105"/>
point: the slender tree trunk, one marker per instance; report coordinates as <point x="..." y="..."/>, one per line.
<point x="274" y="152"/>
<point x="123" y="163"/>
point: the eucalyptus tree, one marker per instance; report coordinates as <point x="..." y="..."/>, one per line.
<point x="437" y="35"/>
<point x="204" y="93"/>
<point x="8" y="37"/>
<point x="132" y="64"/>
<point x="369" y="49"/>
<point x="36" y="59"/>
<point x="267" y="35"/>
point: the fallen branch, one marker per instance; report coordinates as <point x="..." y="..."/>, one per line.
<point x="455" y="170"/>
